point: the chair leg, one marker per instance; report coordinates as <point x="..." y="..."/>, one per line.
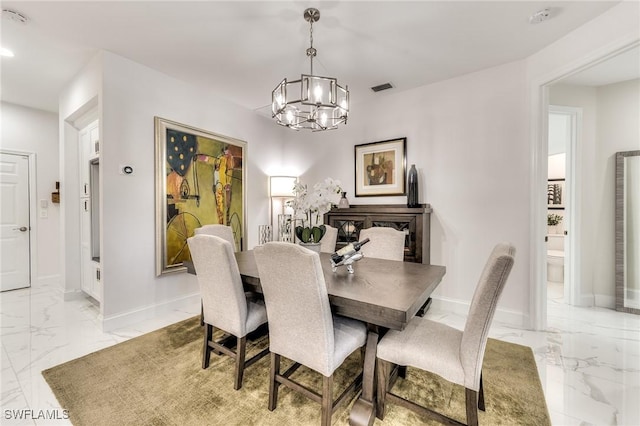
<point x="241" y="347"/>
<point x="273" y="385"/>
<point x="201" y="313"/>
<point x="327" y="400"/>
<point x="481" y="396"/>
<point x="206" y="349"/>
<point x="472" y="407"/>
<point x="384" y="370"/>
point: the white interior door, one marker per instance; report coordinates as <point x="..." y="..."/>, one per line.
<point x="14" y="222"/>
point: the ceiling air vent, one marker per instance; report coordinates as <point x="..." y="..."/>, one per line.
<point x="381" y="87"/>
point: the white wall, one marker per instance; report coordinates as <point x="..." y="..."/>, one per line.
<point x="133" y="95"/>
<point x="468" y="139"/>
<point x="35" y="131"/>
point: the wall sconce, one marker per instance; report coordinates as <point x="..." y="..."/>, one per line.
<point x="282" y="187"/>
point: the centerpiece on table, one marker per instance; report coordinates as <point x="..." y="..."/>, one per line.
<point x="310" y="206"/>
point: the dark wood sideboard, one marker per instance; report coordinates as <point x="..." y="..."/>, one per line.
<point x="414" y="221"/>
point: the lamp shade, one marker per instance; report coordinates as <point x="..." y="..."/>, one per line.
<point x="281" y="186"/>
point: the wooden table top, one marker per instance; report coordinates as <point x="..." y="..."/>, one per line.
<point x="382" y="292"/>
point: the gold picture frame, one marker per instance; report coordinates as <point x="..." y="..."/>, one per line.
<point x="381" y="168"/>
<point x="200" y="179"/>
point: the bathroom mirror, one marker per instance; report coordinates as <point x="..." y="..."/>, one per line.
<point x="628" y="231"/>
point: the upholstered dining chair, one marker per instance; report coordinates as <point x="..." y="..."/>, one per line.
<point x="222" y="231"/>
<point x="450" y="353"/>
<point x="384" y="243"/>
<point x="301" y="326"/>
<point x="328" y="242"/>
<point x="224" y="303"/>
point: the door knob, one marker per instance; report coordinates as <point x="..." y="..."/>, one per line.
<point x="21" y="229"/>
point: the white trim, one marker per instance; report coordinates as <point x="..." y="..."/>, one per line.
<point x="539" y="99"/>
<point x="604" y="301"/>
<point x="50" y="280"/>
<point x="33" y="217"/>
<point x="114" y="322"/>
<point x="461" y="307"/>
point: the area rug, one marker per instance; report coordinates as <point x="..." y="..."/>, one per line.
<point x="157" y="379"/>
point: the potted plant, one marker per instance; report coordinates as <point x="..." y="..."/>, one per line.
<point x="553" y="220"/>
<point x="310" y="205"/>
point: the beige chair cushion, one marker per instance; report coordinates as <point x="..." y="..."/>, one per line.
<point x="224" y="303"/>
<point x="426" y="345"/>
<point x="385" y="243"/>
<point x="301" y="326"/>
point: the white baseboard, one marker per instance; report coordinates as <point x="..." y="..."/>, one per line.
<point x="114" y="322"/>
<point x="49" y="280"/>
<point x="605" y="301"/>
<point x="461" y="307"/>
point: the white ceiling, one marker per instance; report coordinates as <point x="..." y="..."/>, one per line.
<point x="241" y="50"/>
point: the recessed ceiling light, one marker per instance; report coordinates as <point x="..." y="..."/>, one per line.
<point x="6" y="52"/>
<point x="540" y="16"/>
<point x="14" y="16"/>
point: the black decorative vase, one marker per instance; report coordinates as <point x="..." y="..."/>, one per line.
<point x="412" y="184"/>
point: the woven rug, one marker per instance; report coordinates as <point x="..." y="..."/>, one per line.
<point x="157" y="379"/>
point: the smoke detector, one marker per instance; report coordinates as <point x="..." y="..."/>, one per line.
<point x="540" y="16"/>
<point x="14" y="16"/>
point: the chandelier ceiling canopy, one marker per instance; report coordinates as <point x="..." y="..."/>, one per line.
<point x="312" y="102"/>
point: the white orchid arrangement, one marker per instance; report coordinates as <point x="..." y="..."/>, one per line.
<point x="309" y="206"/>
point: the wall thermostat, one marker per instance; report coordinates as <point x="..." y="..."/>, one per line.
<point x="126" y="170"/>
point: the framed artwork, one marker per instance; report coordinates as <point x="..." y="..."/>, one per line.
<point x="555" y="194"/>
<point x="381" y="168"/>
<point x="200" y="179"/>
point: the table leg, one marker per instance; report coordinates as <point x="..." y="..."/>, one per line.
<point x="363" y="411"/>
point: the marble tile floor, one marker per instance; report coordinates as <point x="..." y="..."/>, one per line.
<point x="588" y="359"/>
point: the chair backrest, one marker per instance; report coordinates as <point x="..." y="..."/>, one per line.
<point x="483" y="306"/>
<point x="385" y="243"/>
<point x="224" y="303"/>
<point x="222" y="231"/>
<point x="328" y="242"/>
<point x="295" y="293"/>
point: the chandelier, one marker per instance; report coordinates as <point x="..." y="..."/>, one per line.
<point x="322" y="104"/>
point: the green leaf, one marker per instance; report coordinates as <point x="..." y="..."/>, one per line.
<point x="318" y="232"/>
<point x="306" y="235"/>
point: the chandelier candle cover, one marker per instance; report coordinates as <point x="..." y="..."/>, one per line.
<point x="323" y="103"/>
<point x="309" y="206"/>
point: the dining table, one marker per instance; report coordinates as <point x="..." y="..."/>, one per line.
<point x="385" y="294"/>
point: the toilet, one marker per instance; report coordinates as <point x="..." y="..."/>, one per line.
<point x="555" y="258"/>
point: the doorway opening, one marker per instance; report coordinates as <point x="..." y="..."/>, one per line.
<point x="564" y="124"/>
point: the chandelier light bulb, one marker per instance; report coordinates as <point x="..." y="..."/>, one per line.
<point x="317" y="92"/>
